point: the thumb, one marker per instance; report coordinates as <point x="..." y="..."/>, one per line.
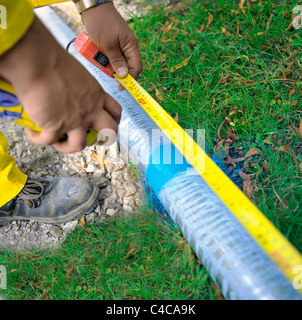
<point x="42" y="138"/>
<point x="118" y="63"/>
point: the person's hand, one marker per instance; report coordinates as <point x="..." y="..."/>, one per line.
<point x="56" y="91"/>
<point x="110" y="32"/>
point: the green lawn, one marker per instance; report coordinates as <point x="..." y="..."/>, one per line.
<point x="136" y="257"/>
<point x="239" y="78"/>
<point x="234" y="72"/>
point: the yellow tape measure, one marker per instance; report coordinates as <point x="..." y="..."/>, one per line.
<point x="262" y="230"/>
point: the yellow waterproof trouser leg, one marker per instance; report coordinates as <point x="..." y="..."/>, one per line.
<point x="12" y="180"/>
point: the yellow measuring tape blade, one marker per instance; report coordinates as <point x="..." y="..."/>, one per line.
<point x="277" y="247"/>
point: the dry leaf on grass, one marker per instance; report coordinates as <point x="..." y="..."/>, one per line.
<point x="290" y="64"/>
<point x="162" y="58"/>
<point x="247" y="184"/>
<point x="225" y="31"/>
<point x="201" y="28"/>
<point x="180" y="65"/>
<point x="265" y="165"/>
<point x="167" y="28"/>
<point x="240" y="5"/>
<point x="299" y="129"/>
<point x="252" y="152"/>
<point x="269" y="20"/>
<point x="285" y="148"/>
<point x="131" y="253"/>
<point x="219" y="145"/>
<point x="210" y="20"/>
<point x="176" y="117"/>
<point x="279" y="198"/>
<point x="225" y="78"/>
<point x="219" y="130"/>
<point x="159" y="95"/>
<point x="69" y="270"/>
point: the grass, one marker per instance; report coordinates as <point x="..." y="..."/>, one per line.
<point x="234" y="72"/>
<point x="135" y="257"/>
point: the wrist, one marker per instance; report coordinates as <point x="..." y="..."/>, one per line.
<point x="83" y="5"/>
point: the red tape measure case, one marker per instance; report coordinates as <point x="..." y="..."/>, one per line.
<point x="92" y="53"/>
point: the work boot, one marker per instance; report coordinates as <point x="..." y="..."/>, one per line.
<point x="55" y="200"/>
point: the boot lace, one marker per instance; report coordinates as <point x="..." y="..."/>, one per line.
<point x="32" y="192"/>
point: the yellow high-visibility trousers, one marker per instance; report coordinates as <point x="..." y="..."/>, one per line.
<point x="12" y="180"/>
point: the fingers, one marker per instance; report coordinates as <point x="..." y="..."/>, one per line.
<point x="43" y="138"/>
<point x="129" y="56"/>
<point x="119" y="65"/>
<point x="113" y="108"/>
<point x="134" y="64"/>
<point x="134" y="60"/>
<point x="105" y="119"/>
<point x="120" y="87"/>
<point x="76" y="141"/>
<point x="118" y="62"/>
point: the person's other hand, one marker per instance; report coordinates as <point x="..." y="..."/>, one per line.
<point x="110" y="32"/>
<point x="56" y="91"/>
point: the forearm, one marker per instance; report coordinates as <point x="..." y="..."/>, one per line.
<point x="25" y="60"/>
<point x="56" y="91"/>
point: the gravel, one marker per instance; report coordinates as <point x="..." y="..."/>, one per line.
<point x="120" y="190"/>
<point x="69" y="14"/>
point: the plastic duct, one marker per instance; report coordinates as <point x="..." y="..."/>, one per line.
<point x="234" y="260"/>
